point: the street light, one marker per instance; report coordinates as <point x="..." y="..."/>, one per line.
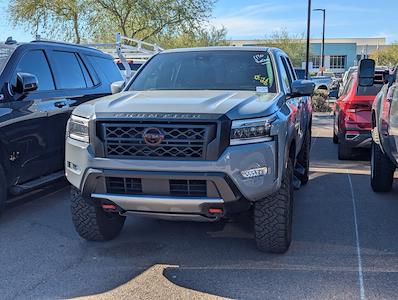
<point x="323" y="39"/>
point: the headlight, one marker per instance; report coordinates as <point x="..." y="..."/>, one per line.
<point x="251" y="131"/>
<point x="77" y="129"/>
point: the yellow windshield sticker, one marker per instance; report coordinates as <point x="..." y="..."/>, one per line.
<point x="262" y="79"/>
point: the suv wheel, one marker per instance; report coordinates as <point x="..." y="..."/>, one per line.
<point x="273" y="217"/>
<point x="91" y="221"/>
<point x="344" y="151"/>
<point x="304" y="158"/>
<point x="382" y="170"/>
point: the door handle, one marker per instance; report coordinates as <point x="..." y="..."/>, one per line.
<point x="60" y="104"/>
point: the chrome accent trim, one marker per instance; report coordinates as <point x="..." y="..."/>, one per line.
<point x="162" y="204"/>
<point x="173" y="217"/>
<point x="235" y="142"/>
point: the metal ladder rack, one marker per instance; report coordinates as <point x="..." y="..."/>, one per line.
<point x="126" y="48"/>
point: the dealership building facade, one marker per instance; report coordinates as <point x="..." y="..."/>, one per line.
<point x="340" y="53"/>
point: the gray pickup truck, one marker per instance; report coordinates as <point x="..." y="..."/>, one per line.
<point x="197" y="134"/>
<point x="384" y="154"/>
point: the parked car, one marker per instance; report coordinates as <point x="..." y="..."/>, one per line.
<point x="346" y="76"/>
<point x="198" y="134"/>
<point x="300" y="73"/>
<point x="40" y="84"/>
<point x="352" y="115"/>
<point x="384" y="157"/>
<point x="134" y="66"/>
<point x="326" y="74"/>
<point x="325" y="84"/>
<point x="322" y="83"/>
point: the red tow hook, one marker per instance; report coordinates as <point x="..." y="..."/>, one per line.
<point x="109" y="207"/>
<point x="216" y="211"/>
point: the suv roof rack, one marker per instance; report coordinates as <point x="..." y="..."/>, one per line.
<point x="126" y="48"/>
<point x="39" y="39"/>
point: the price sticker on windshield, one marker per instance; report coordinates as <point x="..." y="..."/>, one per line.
<point x="262" y="89"/>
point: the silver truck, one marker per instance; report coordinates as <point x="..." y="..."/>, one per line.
<point x="197" y="134"/>
<point x="384" y="153"/>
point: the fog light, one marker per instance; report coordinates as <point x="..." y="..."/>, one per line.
<point x="254" y="172"/>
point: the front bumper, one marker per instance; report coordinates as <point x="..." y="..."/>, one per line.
<point x="229" y="189"/>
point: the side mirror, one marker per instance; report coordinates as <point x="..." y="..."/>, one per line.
<point x="302" y="88"/>
<point x="366" y="72"/>
<point x="26" y="83"/>
<point x="117" y="87"/>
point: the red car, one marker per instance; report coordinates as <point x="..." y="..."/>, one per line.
<point x="352" y="115"/>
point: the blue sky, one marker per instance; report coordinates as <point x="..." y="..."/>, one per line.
<point x="345" y="18"/>
<point x="247" y="19"/>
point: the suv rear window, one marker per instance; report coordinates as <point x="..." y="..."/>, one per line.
<point x="374" y="89"/>
<point x="369" y="90"/>
<point x="106" y="68"/>
<point x="207" y="70"/>
<point x="69" y="73"/>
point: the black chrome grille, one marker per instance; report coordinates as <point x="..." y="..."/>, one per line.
<point x="179" y="141"/>
<point x="123" y="186"/>
<point x="193" y="188"/>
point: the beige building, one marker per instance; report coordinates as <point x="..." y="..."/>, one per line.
<point x="340" y="53"/>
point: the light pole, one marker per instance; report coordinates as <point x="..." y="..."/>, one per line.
<point x="307" y="58"/>
<point x="323" y="39"/>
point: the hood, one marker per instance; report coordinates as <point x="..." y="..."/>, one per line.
<point x="234" y="104"/>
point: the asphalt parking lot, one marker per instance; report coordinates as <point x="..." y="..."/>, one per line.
<point x="345" y="246"/>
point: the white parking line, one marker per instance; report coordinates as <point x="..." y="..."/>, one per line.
<point x="360" y="273"/>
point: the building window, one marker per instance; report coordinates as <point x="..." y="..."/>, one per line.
<point x="338" y="61"/>
<point x="316" y="62"/>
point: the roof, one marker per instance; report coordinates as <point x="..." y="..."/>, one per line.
<point x="219" y="48"/>
<point x="57" y="43"/>
<point x="49" y="43"/>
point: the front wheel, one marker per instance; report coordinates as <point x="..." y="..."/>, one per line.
<point x="382" y="170"/>
<point x="91" y="221"/>
<point x="273" y="217"/>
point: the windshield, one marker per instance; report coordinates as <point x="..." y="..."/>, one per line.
<point x="207" y="70"/>
<point x="5" y="53"/>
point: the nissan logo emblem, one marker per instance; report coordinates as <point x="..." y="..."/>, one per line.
<point x="153" y="136"/>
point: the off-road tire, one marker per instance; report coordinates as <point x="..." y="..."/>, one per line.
<point x="3" y="188"/>
<point x="91" y="221"/>
<point x="382" y="170"/>
<point x="273" y="217"/>
<point x="304" y="158"/>
<point x="344" y="152"/>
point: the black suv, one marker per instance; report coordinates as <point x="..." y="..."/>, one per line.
<point x="40" y="84"/>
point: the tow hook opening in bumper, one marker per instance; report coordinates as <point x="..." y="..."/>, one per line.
<point x="351" y="136"/>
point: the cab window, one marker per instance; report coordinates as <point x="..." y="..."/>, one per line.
<point x="285" y="76"/>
